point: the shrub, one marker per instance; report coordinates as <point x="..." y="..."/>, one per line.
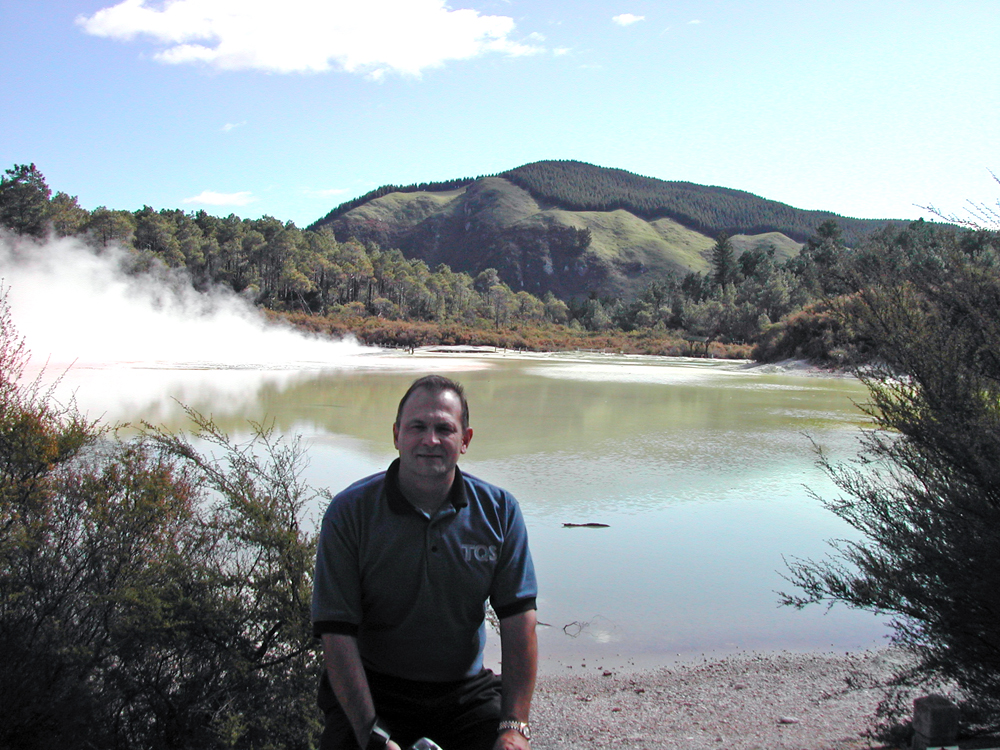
<point x="820" y="332"/>
<point x="150" y="596"/>
<point x="925" y="492"/>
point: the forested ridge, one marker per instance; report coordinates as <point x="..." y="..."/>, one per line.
<point x="752" y="301"/>
<point x="578" y="186"/>
<point x="585" y="187"/>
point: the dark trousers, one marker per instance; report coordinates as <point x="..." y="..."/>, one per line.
<point x="460" y="715"/>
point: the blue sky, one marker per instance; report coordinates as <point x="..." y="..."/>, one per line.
<point x="289" y="107"/>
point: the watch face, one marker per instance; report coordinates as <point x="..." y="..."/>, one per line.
<point x="518" y="726"/>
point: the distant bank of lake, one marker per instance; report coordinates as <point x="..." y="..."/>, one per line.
<point x="699" y="469"/>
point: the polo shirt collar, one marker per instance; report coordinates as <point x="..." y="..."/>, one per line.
<point x="400" y="505"/>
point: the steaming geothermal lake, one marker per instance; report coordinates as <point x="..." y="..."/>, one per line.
<point x="700" y="469"/>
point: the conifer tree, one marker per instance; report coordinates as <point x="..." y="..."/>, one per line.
<point x="24" y="200"/>
<point x="724" y="268"/>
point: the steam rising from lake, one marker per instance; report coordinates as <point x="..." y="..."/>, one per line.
<point x="75" y="305"/>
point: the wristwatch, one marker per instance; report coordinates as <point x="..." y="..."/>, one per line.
<point x="518" y="726"/>
<point x="378" y="738"/>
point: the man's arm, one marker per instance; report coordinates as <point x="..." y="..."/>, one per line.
<point x="350" y="685"/>
<point x="519" y="664"/>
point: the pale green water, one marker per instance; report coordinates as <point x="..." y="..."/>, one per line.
<point x="698" y="467"/>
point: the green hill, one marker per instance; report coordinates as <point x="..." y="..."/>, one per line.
<point x="573" y="228"/>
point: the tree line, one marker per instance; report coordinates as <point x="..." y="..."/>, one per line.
<point x="710" y="210"/>
<point x="750" y="299"/>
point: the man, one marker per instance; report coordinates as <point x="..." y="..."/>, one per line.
<point x="406" y="561"/>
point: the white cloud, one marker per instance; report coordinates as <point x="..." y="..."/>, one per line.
<point x="627" y="19"/>
<point x="328" y="193"/>
<point x="232" y="126"/>
<point x="211" y="198"/>
<point x="695" y="21"/>
<point x="560" y="51"/>
<point x="369" y="37"/>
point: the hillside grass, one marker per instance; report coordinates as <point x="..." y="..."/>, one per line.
<point x="500" y="202"/>
<point x="690" y="247"/>
<point x="408" y="209"/>
<point x="784" y="247"/>
<point x="628" y="250"/>
<point x="661" y="245"/>
<point x="617" y="237"/>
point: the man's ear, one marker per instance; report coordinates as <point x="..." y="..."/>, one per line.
<point x="395" y="435"/>
<point x="466" y="439"/>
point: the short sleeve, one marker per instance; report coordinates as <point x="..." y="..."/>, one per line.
<point x="336" y="600"/>
<point x="514" y="588"/>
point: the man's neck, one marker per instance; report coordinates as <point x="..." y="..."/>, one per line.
<point x="426" y="493"/>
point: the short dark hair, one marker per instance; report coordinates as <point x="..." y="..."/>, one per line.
<point x="436" y="384"/>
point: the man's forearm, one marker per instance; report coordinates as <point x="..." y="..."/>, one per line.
<point x="349" y="682"/>
<point x="519" y="657"/>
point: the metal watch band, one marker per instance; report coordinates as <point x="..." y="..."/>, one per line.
<point x="378" y="738"/>
<point x="518" y="726"/>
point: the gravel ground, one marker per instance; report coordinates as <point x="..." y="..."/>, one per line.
<point x="755" y="701"/>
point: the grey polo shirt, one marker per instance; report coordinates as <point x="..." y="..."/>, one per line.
<point x="412" y="588"/>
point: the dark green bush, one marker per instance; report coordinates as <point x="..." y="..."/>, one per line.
<point x="926" y="491"/>
<point x="150" y="596"/>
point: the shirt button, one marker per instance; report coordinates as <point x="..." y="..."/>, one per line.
<point x="434" y="548"/>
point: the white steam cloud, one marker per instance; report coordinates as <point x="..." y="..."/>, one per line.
<point x="73" y="305"/>
<point x="126" y="346"/>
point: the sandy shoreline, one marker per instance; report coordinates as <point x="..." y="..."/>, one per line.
<point x="784" y="367"/>
<point x="806" y="701"/>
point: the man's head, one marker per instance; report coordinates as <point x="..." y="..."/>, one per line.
<point x="431" y="430"/>
<point x="436" y="384"/>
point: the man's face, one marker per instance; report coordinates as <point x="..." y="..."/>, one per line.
<point x="429" y="435"/>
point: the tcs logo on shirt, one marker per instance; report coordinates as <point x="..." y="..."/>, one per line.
<point x="479" y="552"/>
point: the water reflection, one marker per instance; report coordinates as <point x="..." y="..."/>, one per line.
<point x="700" y="469"/>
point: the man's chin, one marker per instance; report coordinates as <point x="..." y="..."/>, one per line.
<point x="430" y="466"/>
